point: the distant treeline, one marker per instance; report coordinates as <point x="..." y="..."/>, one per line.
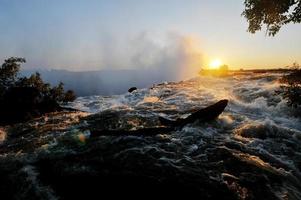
<point x="278" y="70"/>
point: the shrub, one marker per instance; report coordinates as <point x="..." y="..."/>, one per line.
<point x="8" y="73"/>
<point x="22" y="98"/>
<point x="69" y="96"/>
<point x="291" y="86"/>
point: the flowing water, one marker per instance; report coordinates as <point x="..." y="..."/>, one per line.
<point x="257" y="126"/>
<point x="252" y="151"/>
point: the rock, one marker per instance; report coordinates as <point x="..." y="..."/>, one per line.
<point x="118" y="127"/>
<point x="204" y="115"/>
<point x="121" y="123"/>
<point x="132" y="89"/>
<point x="138" y="132"/>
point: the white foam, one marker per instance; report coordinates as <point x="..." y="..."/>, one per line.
<point x="255" y="117"/>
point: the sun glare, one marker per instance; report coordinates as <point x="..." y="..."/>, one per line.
<point x="215" y="64"/>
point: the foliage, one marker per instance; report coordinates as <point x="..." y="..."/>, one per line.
<point x="57" y="92"/>
<point x="69" y="96"/>
<point x="22" y="98"/>
<point x="272" y="13"/>
<point x="8" y="73"/>
<point x="9" y="78"/>
<point x="291" y="86"/>
<point x="34" y="81"/>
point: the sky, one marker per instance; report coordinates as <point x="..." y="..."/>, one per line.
<point x="139" y="34"/>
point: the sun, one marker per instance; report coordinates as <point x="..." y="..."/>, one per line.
<point x="215" y="64"/>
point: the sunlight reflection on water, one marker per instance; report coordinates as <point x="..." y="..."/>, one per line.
<point x="255" y="117"/>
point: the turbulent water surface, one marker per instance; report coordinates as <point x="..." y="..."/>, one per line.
<point x="257" y="126"/>
<point x="252" y="151"/>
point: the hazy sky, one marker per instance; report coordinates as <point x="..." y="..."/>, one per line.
<point x="120" y="34"/>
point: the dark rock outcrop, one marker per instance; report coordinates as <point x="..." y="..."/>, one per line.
<point x="203" y="115"/>
<point x="132" y="89"/>
<point x="206" y="114"/>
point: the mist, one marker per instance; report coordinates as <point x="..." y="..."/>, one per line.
<point x="138" y="61"/>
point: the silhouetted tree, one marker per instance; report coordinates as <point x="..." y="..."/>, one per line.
<point x="57" y="92"/>
<point x="291" y="86"/>
<point x="35" y="81"/>
<point x="22" y="98"/>
<point x="272" y="13"/>
<point x="69" y="96"/>
<point x="8" y="73"/>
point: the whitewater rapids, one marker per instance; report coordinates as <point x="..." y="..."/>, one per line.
<point x="255" y="110"/>
<point x="252" y="151"/>
<point x="257" y="125"/>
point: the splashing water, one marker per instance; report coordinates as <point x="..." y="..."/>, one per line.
<point x="252" y="151"/>
<point x="256" y="127"/>
<point x="251" y="98"/>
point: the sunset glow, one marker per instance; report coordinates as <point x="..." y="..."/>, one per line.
<point x="150" y="98"/>
<point x="215" y="64"/>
